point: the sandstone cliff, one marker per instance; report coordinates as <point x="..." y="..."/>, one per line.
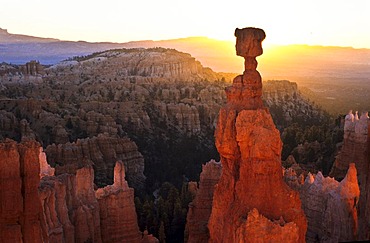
<point x="21" y="217"/>
<point x="200" y="208"/>
<point x="74" y="212"/>
<point x="70" y="206"/>
<point x="250" y="147"/>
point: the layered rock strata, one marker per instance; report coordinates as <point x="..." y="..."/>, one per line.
<point x="74" y="212"/>
<point x="250" y="149"/>
<point x="70" y="207"/>
<point x="200" y="208"/>
<point x="21" y="217"/>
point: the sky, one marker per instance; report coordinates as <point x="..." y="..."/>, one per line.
<point x="313" y="22"/>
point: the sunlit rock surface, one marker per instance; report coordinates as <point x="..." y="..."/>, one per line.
<point x="250" y="148"/>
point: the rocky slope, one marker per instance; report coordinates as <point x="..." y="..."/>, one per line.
<point x="250" y="146"/>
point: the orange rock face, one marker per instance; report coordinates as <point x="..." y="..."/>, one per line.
<point x="200" y="208"/>
<point x="255" y="228"/>
<point x="250" y="150"/>
<point x="52" y="193"/>
<point x="63" y="208"/>
<point x="21" y="218"/>
<point x="70" y="208"/>
<point x="117" y="210"/>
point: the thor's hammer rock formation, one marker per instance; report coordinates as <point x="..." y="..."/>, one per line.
<point x="251" y="184"/>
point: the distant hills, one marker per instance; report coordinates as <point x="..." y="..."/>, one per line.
<point x="289" y="62"/>
<point x="337" y="78"/>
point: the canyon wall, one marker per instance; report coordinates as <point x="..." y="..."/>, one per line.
<point x="21" y="215"/>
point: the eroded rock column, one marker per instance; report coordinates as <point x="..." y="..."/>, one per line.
<point x="251" y="184"/>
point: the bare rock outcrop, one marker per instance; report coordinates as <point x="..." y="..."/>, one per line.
<point x="260" y="229"/>
<point x="117" y="210"/>
<point x="200" y="208"/>
<point x="52" y="193"/>
<point x="55" y="209"/>
<point x="70" y="208"/>
<point x="21" y="217"/>
<point x="330" y="206"/>
<point x="103" y="151"/>
<point x="250" y="149"/>
<point x="45" y="168"/>
<point x="356" y="149"/>
<point x="32" y="68"/>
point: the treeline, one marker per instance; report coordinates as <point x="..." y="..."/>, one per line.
<point x="164" y="212"/>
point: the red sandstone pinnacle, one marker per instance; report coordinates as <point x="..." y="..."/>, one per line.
<point x="117" y="210"/>
<point x="250" y="149"/>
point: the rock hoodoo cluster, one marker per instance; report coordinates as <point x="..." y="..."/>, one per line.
<point x="38" y="206"/>
<point x="251" y="191"/>
<point x="356" y="149"/>
<point x="331" y="207"/>
<point x="102" y="151"/>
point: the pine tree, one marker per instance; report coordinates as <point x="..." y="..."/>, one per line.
<point x="161" y="233"/>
